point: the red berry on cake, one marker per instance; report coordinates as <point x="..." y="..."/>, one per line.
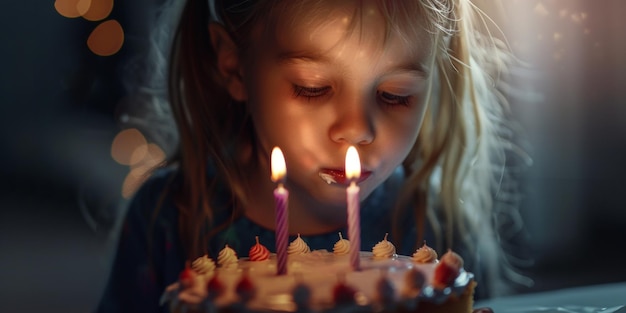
<point x="447" y="270"/>
<point x="187" y="276"/>
<point x="215" y="287"/>
<point x="343" y="294"/>
<point x="258" y="252"/>
<point x="245" y="289"/>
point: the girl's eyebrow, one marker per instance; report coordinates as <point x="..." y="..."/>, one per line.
<point x="292" y="57"/>
<point x="305" y="56"/>
<point x="410" y="67"/>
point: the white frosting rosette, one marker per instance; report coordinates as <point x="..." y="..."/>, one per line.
<point x="227" y="258"/>
<point x="204" y="266"/>
<point x="342" y="246"/>
<point x="425" y="254"/>
<point x="298" y="246"/>
<point x="384" y="249"/>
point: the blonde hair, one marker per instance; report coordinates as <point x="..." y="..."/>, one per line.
<point x="458" y="167"/>
<point x="454" y="171"/>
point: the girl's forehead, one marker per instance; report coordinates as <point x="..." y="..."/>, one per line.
<point x="401" y="16"/>
<point x="328" y="24"/>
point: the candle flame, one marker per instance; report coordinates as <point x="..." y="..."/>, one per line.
<point x="353" y="164"/>
<point x="279" y="169"/>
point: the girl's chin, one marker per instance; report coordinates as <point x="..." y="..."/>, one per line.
<point x="332" y="202"/>
<point x="335" y="196"/>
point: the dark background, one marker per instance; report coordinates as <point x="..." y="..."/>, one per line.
<point x="60" y="189"/>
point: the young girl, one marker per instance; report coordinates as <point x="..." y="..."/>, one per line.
<point x="406" y="82"/>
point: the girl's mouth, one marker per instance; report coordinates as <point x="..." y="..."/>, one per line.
<point x="333" y="176"/>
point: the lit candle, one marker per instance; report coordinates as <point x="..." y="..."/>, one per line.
<point x="281" y="197"/>
<point x="353" y="172"/>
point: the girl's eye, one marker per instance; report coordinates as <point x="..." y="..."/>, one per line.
<point x="310" y="92"/>
<point x="392" y="99"/>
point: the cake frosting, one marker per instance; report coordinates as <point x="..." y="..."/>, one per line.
<point x="342" y="246"/>
<point x="298" y="246"/>
<point x="227" y="258"/>
<point x="425" y="254"/>
<point x="384" y="249"/>
<point x="258" y="252"/>
<point x="203" y="266"/>
<point x="323" y="281"/>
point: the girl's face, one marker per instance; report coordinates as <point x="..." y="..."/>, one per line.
<point x="317" y="84"/>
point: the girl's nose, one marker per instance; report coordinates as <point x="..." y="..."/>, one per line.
<point x="353" y="126"/>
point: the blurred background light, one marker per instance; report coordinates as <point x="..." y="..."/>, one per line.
<point x="72" y="8"/>
<point x="144" y="159"/>
<point x="125" y="146"/>
<point x="106" y="39"/>
<point x="151" y="155"/>
<point x="91" y="10"/>
<point x="98" y="10"/>
<point x="131" y="148"/>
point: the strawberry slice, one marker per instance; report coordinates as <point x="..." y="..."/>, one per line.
<point x="343" y="294"/>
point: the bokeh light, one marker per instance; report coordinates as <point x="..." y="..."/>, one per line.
<point x="559" y="36"/>
<point x="71" y="8"/>
<point x="98" y="10"/>
<point x="151" y="156"/>
<point x="131" y="148"/>
<point x="126" y="145"/>
<point x="106" y="39"/>
<point x="91" y="10"/>
<point x="133" y="180"/>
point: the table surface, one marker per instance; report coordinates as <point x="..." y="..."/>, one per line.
<point x="589" y="299"/>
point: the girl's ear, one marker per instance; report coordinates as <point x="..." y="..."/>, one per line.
<point x="228" y="63"/>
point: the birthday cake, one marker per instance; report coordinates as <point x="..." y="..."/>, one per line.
<point x="324" y="281"/>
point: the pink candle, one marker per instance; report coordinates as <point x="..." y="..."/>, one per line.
<point x="353" y="172"/>
<point x="281" y="197"/>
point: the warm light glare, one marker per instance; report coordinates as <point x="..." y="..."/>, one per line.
<point x="540" y="9"/>
<point x="151" y="156"/>
<point x="106" y="39"/>
<point x="68" y="8"/>
<point x="279" y="168"/>
<point x="83" y="6"/>
<point x="138" y="154"/>
<point x="131" y="183"/>
<point x="353" y="164"/>
<point x="128" y="147"/>
<point x="91" y="10"/>
<point x="98" y="10"/>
